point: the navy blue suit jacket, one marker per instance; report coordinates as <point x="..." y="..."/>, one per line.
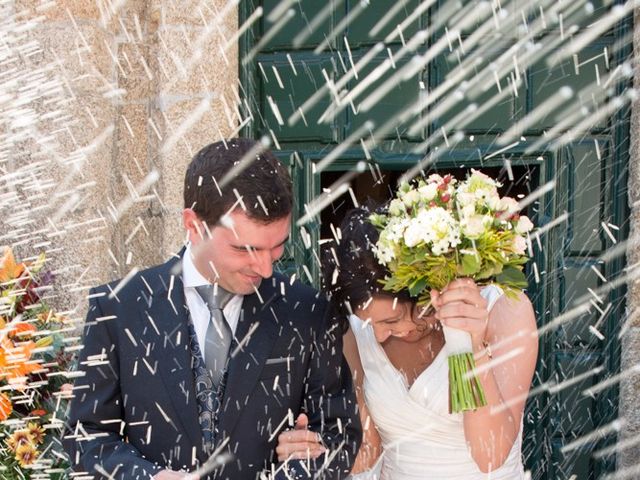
<point x="135" y="413"/>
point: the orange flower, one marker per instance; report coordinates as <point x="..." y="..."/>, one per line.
<point x="15" y="360"/>
<point x="5" y="406"/>
<point x="26" y="454"/>
<point x="9" y="269"/>
<point x="22" y="330"/>
<point x="38" y="413"/>
<point x="36" y="431"/>
<point x="18" y="438"/>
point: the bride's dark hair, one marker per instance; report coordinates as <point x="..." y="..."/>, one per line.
<point x="351" y="273"/>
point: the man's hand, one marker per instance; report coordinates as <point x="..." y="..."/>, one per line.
<point x="170" y="475"/>
<point x="299" y="443"/>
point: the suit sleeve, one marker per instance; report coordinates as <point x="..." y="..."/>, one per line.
<point x="93" y="439"/>
<point x="331" y="406"/>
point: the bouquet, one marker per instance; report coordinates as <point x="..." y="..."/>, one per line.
<point x="439" y="229"/>
<point x="33" y="362"/>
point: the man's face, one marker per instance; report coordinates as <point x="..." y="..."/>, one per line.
<point x="239" y="254"/>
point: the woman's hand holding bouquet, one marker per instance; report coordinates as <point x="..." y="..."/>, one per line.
<point x="460" y="306"/>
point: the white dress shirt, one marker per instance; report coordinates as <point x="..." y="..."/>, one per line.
<point x="200" y="314"/>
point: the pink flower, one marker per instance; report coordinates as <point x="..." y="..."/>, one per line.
<point x="519" y="245"/>
<point x="524" y="225"/>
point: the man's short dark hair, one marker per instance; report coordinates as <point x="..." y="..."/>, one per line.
<point x="263" y="183"/>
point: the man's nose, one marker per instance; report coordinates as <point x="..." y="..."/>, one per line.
<point x="263" y="264"/>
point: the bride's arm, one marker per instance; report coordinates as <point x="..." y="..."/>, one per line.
<point x="371" y="447"/>
<point x="510" y="332"/>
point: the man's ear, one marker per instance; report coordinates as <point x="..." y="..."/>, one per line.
<point x="192" y="224"/>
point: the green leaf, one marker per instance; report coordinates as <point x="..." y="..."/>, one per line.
<point x="492" y="269"/>
<point x="416" y="288"/>
<point x="470" y="264"/>
<point x="512" y="277"/>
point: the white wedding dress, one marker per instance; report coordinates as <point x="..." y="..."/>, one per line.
<point x="420" y="439"/>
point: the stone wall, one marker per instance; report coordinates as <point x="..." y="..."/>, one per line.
<point x="103" y="106"/>
<point x="628" y="457"/>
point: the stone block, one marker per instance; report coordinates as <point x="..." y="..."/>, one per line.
<point x="137" y="239"/>
<point x="189" y="60"/>
<point x="629" y="389"/>
<point x="135" y="76"/>
<point x="187" y="12"/>
<point x="88" y="12"/>
<point x="132" y="141"/>
<point x="60" y="10"/>
<point x="83" y="57"/>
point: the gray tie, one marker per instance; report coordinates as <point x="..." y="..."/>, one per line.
<point x="219" y="336"/>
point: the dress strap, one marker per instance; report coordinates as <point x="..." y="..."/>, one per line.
<point x="491" y="294"/>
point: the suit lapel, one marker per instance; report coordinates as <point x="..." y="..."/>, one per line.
<point x="169" y="314"/>
<point x="255" y="335"/>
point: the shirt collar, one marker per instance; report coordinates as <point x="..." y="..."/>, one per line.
<point x="191" y="277"/>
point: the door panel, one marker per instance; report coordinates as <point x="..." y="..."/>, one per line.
<point x="588" y="202"/>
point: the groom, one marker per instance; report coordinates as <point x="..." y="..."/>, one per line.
<point x="200" y="363"/>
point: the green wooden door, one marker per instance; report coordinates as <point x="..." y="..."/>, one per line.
<point x="300" y="56"/>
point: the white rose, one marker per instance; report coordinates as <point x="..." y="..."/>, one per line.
<point x="508" y="204"/>
<point x="435" y="178"/>
<point x="493" y="200"/>
<point x="395" y="229"/>
<point x="481" y="195"/>
<point x="411" y="198"/>
<point x="473" y="226"/>
<point x="385" y="248"/>
<point x="413" y="233"/>
<point x="396" y="207"/>
<point x="439" y="248"/>
<point x="478" y="177"/>
<point x="524" y="225"/>
<point x="483" y="188"/>
<point x="467" y="211"/>
<point x="384" y="255"/>
<point x="519" y="245"/>
<point x="466" y="199"/>
<point x="428" y="192"/>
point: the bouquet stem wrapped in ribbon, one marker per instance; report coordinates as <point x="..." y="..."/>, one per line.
<point x="465" y="392"/>
<point x="439" y="229"/>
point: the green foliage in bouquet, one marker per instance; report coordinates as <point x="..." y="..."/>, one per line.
<point x="33" y="363"/>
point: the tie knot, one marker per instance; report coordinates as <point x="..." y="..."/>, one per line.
<point x="214" y="297"/>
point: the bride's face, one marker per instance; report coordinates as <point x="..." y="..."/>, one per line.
<point x="391" y="318"/>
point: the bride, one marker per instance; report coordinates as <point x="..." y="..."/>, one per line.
<point x="395" y="352"/>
